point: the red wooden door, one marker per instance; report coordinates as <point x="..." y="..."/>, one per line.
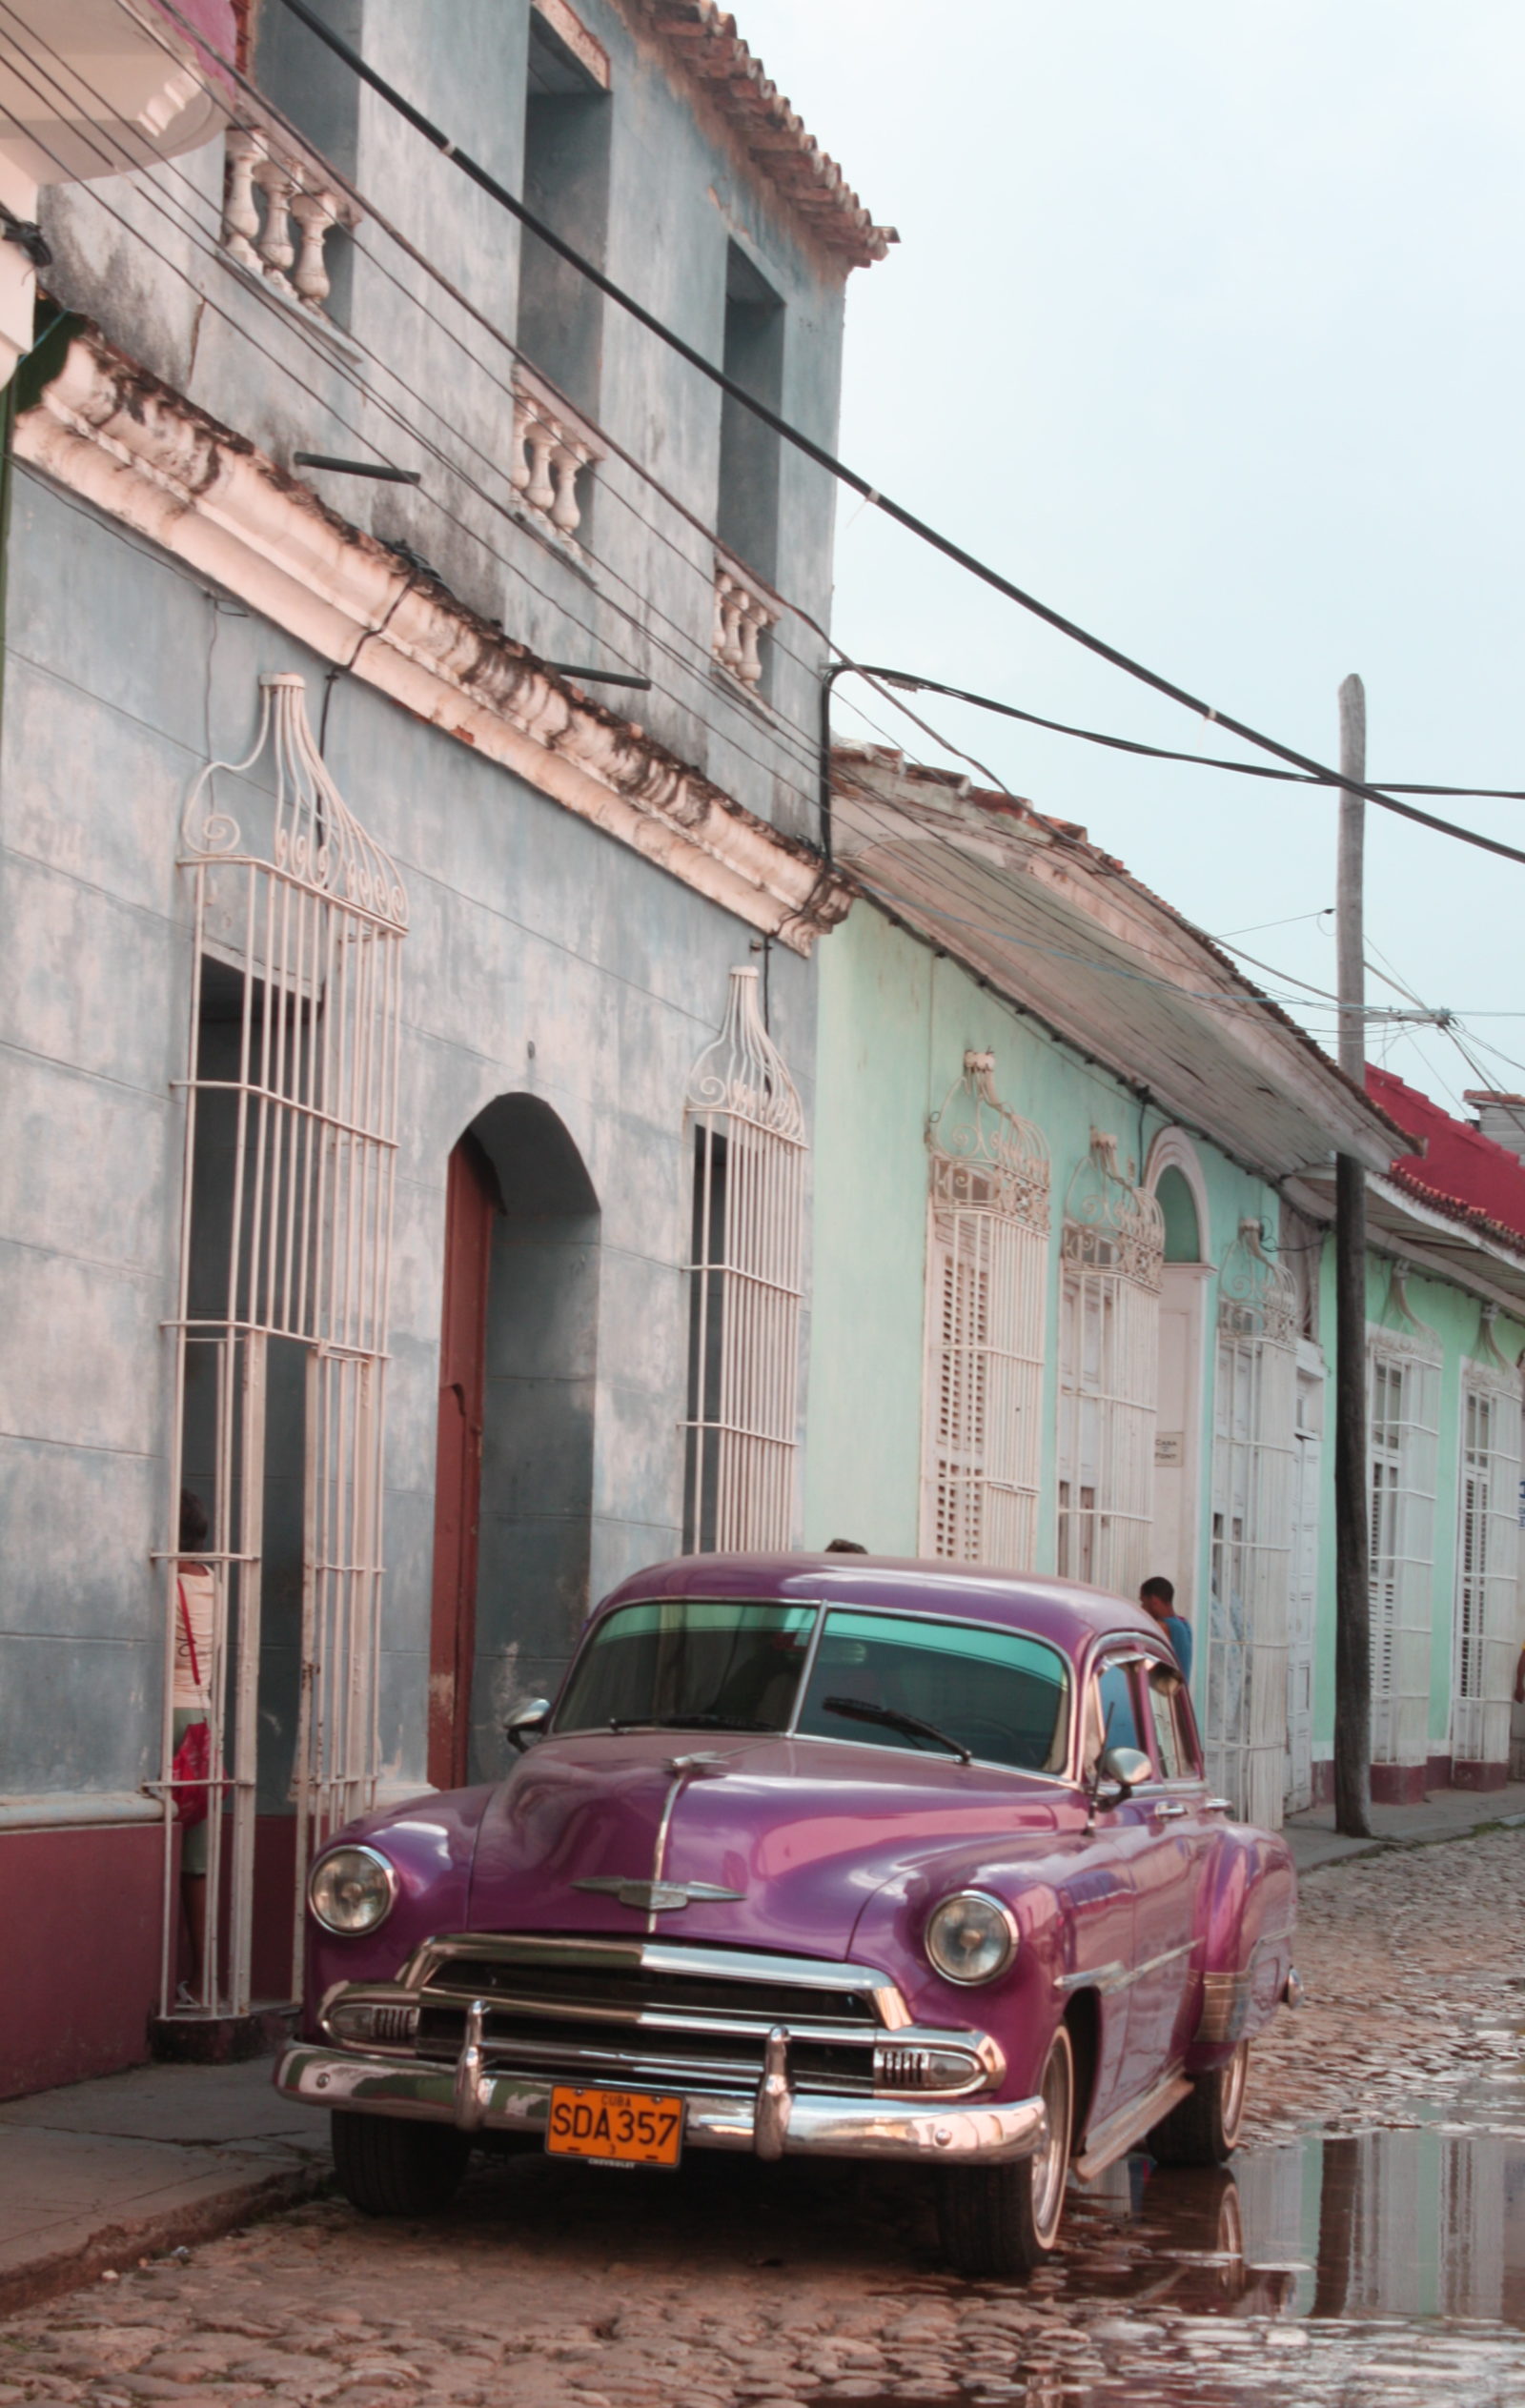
<point x="471" y="1200"/>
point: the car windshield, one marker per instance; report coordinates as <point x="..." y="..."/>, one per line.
<point x="688" y="1663"/>
<point x="998" y="1693"/>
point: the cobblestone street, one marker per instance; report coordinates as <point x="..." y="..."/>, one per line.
<point x="733" y="2283"/>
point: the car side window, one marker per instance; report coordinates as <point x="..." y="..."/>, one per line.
<point x="1170" y="1752"/>
<point x="1118" y="1716"/>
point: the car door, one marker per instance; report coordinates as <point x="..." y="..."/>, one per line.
<point x="1161" y="1828"/>
<point x="1167" y="1991"/>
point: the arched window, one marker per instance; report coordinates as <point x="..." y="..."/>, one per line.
<point x="1253" y="1442"/>
<point x="986" y="1279"/>
<point x="747" y="1276"/>
<point x="1113" y="1252"/>
<point x="1486" y="1613"/>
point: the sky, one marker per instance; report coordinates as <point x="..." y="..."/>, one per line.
<point x="1207" y="327"/>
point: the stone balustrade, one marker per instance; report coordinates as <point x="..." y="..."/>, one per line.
<point x="277" y="211"/>
<point x="552" y="445"/>
<point x="744" y="610"/>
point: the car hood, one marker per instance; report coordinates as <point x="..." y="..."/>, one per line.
<point x="804" y="1831"/>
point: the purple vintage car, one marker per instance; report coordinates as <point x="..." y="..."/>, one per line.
<point x="817" y="1854"/>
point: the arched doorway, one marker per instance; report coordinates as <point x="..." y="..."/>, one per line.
<point x="513" y="1463"/>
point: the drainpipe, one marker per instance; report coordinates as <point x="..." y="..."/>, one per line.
<point x="828" y="679"/>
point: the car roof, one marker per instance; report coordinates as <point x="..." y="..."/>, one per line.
<point x="1067" y="1612"/>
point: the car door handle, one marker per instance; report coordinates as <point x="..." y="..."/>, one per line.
<point x="1165" y="1809"/>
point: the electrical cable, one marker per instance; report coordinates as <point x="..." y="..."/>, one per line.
<point x="915" y="683"/>
<point x="1311" y="770"/>
<point x="287" y="316"/>
<point x="823" y="458"/>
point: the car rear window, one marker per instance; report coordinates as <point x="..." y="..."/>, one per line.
<point x="687" y="1663"/>
<point x="999" y="1693"/>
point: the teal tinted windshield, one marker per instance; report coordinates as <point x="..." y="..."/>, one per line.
<point x="689" y="1663"/>
<point x="999" y="1693"/>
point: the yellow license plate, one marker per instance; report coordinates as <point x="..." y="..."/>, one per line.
<point x="620" y="2128"/>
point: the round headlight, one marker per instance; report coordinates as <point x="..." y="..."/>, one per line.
<point x="350" y="1889"/>
<point x="970" y="1938"/>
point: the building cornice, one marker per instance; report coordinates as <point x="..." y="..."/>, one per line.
<point x="109" y="432"/>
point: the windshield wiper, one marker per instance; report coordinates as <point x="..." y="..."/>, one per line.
<point x="858" y="1710"/>
<point x="689" y="1722"/>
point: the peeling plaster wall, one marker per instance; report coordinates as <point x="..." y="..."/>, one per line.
<point x="529" y="929"/>
<point x="429" y="390"/>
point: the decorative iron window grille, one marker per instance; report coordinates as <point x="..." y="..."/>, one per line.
<point x="285" y="1262"/>
<point x="745" y="1282"/>
<point x="1112" y="1254"/>
<point x="1255" y="1442"/>
<point x="1403" y="1427"/>
<point x="1487" y="1641"/>
<point x="988" y="1264"/>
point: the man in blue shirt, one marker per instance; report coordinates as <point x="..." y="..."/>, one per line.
<point x="1157" y="1597"/>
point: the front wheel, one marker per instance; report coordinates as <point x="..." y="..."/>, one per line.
<point x="1205" y="2127"/>
<point x="1004" y="2220"/>
<point x="397" y="2168"/>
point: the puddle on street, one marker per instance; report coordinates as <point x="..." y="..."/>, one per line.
<point x="1349" y="2269"/>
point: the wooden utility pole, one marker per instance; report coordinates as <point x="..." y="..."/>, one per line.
<point x="1353" y="1594"/>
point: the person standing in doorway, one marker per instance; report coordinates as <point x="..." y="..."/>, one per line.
<point x="195" y="1614"/>
<point x="1157" y="1597"/>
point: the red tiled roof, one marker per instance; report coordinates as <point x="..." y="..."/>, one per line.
<point x="1460" y="1169"/>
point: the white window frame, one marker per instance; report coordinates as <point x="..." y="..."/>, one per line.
<point x="747" y="1276"/>
<point x="1403" y="1425"/>
<point x="986" y="1291"/>
<point x="1254" y="1406"/>
<point x="1112" y="1254"/>
<point x="1486" y="1619"/>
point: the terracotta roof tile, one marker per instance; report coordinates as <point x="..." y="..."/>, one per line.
<point x="703" y="38"/>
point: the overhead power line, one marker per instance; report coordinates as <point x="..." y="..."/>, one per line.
<point x="918" y="684"/>
<point x="837" y="469"/>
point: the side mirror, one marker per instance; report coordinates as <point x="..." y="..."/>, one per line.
<point x="527" y="1722"/>
<point x="1127" y="1767"/>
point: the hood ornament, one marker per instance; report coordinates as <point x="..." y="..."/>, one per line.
<point x="656" y="1897"/>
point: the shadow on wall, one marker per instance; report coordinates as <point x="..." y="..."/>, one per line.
<point x="536" y="1456"/>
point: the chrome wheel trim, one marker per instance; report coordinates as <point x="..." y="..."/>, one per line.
<point x="1235" y="2075"/>
<point x="1050" y="2163"/>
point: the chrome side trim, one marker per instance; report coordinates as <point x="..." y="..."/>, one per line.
<point x="1113" y="2138"/>
<point x="829" y="2127"/>
<point x="1115" y="1976"/>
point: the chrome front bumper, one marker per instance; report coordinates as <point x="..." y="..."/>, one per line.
<point x="775" y="2122"/>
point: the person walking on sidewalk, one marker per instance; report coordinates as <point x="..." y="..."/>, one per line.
<point x="1157" y="1597"/>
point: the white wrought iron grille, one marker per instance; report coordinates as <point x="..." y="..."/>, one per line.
<point x="1113" y="1253"/>
<point x="745" y="1282"/>
<point x="987" y="1262"/>
<point x="285" y="1258"/>
<point x="1403" y="1421"/>
<point x="1254" y="1441"/>
<point x="1487" y="1619"/>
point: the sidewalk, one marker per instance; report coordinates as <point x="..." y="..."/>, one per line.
<point x="105" y="2173"/>
<point x="1444" y="1814"/>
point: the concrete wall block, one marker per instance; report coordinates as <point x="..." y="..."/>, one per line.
<point x="85" y="1363"/>
<point x="76" y="1716"/>
<point x="638" y="1473"/>
<point x="71" y="956"/>
<point x="644" y="1322"/>
<point x="88" y="1168"/>
<point x="79" y="1526"/>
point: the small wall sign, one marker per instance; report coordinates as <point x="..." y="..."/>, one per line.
<point x="1169" y="1448"/>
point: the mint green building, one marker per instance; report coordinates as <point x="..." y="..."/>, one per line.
<point x="1070" y="1306"/>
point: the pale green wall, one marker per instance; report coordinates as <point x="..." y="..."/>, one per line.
<point x="895" y="1021"/>
<point x="1455" y="1320"/>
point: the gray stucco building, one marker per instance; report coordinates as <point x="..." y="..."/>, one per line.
<point x="352" y="1124"/>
